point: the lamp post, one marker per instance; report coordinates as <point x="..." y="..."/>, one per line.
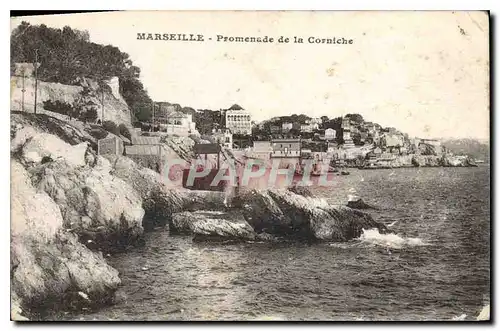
<point x="36" y="78"/>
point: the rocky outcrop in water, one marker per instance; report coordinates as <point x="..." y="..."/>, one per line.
<point x="458" y="161"/>
<point x="210" y="225"/>
<point x="442" y="161"/>
<point x="281" y="212"/>
<point x="263" y="213"/>
<point x="301" y="190"/>
<point x="358" y="203"/>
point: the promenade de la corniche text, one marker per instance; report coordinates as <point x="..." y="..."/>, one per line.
<point x="190" y="37"/>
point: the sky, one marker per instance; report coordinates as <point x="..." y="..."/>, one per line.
<point x="425" y="73"/>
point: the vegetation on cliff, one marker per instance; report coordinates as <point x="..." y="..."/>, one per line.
<point x="66" y="54"/>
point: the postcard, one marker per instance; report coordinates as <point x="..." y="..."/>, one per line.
<point x="250" y="166"/>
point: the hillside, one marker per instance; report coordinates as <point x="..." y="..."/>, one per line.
<point x="115" y="107"/>
<point x="67" y="56"/>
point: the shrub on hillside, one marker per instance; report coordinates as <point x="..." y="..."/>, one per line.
<point x="111" y="126"/>
<point x="59" y="107"/>
<point x="90" y="115"/>
<point x="98" y="133"/>
<point x="124" y="131"/>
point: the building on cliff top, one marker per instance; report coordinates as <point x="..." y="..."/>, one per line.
<point x="239" y="121"/>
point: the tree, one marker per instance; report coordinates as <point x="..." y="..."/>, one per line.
<point x="111" y="126"/>
<point x="355" y="117"/>
<point x="66" y="54"/>
<point x="74" y="113"/>
<point x="142" y="113"/>
<point x="59" y="107"/>
<point x="124" y="131"/>
<point x="90" y="115"/>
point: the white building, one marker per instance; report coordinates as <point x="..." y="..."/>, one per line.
<point x="286" y="148"/>
<point x="310" y="126"/>
<point x="315" y="122"/>
<point x="330" y="134"/>
<point x="176" y="122"/>
<point x="261" y="150"/>
<point x="223" y="137"/>
<point x="305" y="128"/>
<point x="239" y="121"/>
<point x="348" y="143"/>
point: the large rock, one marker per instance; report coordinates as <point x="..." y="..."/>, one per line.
<point x="160" y="197"/>
<point x="48" y="264"/>
<point x="102" y="209"/>
<point x="163" y="202"/>
<point x="458" y="161"/>
<point x="209" y="225"/>
<point x="356" y="202"/>
<point x="34" y="147"/>
<point x="426" y="161"/>
<point x="281" y="212"/>
<point x="143" y="180"/>
<point x="72" y="134"/>
<point x="263" y="213"/>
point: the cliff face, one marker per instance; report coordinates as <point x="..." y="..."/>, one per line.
<point x="115" y="108"/>
<point x="68" y="203"/>
<point x="48" y="264"/>
<point x="65" y="204"/>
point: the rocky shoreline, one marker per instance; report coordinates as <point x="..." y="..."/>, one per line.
<point x="71" y="207"/>
<point x="416" y="161"/>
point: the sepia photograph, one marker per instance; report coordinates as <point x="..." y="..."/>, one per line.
<point x="250" y="166"/>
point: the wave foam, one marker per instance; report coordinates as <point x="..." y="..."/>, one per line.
<point x="459" y="318"/>
<point x="390" y="240"/>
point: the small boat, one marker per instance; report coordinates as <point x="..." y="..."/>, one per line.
<point x="344" y="172"/>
